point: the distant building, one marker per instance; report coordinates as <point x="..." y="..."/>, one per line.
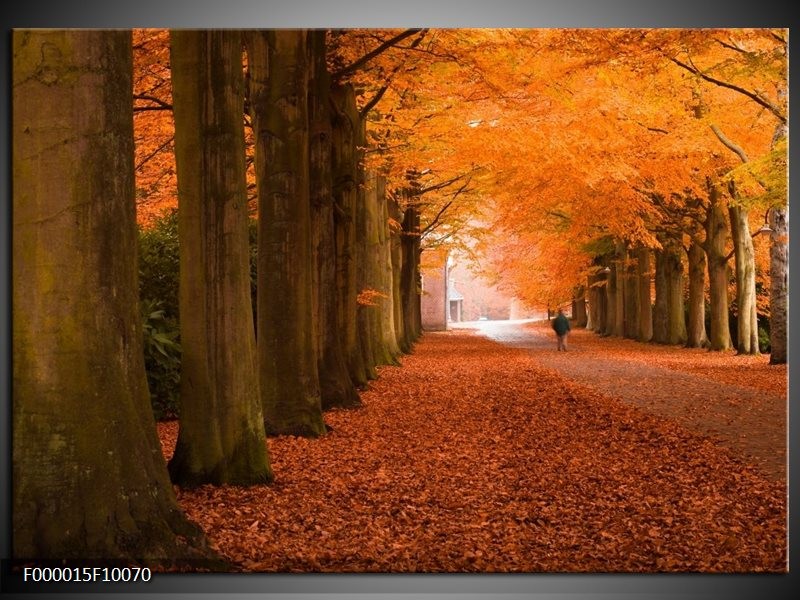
<point x="433" y="303"/>
<point x="455" y="304"/>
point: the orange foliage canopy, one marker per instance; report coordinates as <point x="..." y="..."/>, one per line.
<point x="537" y="143"/>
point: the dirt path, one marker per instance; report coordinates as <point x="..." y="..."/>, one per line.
<point x="739" y="401"/>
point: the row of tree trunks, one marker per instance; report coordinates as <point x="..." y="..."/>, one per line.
<point x="76" y="494"/>
<point x="706" y="255"/>
<point x="90" y="480"/>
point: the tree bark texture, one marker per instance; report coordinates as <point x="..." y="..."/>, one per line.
<point x="674" y="271"/>
<point x="221" y="438"/>
<point x="89" y="478"/>
<point x="618" y="267"/>
<point x="409" y="278"/>
<point x="631" y="298"/>
<point x="661" y="305"/>
<point x="345" y="167"/>
<point x="336" y="387"/>
<point x="696" y="324"/>
<point x="286" y="344"/>
<point x="643" y="279"/>
<point x="611" y="301"/>
<point x="778" y="272"/>
<point x="747" y="319"/>
<point x="714" y="245"/>
<point x="779" y="287"/>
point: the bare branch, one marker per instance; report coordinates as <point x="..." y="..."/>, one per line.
<point x="730" y="145"/>
<point x="153" y="153"/>
<point x="373" y="53"/>
<point x="752" y="95"/>
<point x="159" y="103"/>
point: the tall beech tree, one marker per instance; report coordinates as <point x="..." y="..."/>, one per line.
<point x="221" y="437"/>
<point x="279" y="64"/>
<point x="336" y="386"/>
<point x="89" y="477"/>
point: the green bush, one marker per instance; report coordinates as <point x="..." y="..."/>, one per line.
<point x="158" y="292"/>
<point x="162" y="359"/>
<point x="159" y="264"/>
<point x="159" y="276"/>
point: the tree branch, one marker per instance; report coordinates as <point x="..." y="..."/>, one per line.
<point x="159" y="103"/>
<point x="153" y="153"/>
<point x="752" y="95"/>
<point x="730" y="145"/>
<point x="373" y="53"/>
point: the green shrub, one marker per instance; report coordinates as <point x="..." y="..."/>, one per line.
<point x="159" y="264"/>
<point x="159" y="277"/>
<point x="159" y="267"/>
<point x="162" y="359"/>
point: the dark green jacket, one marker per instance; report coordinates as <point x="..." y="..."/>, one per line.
<point x="561" y="324"/>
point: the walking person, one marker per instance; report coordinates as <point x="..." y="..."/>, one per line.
<point x="561" y="327"/>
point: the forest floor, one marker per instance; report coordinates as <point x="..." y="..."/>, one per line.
<point x="481" y="455"/>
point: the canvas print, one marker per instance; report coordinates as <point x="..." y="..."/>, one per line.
<point x="399" y="301"/>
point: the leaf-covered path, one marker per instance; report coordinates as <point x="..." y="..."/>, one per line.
<point x="473" y="456"/>
<point x="739" y="400"/>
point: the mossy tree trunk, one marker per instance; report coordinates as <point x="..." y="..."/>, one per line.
<point x="287" y="353"/>
<point x="696" y="326"/>
<point x="89" y="477"/>
<point x="385" y="277"/>
<point x="221" y="439"/>
<point x="747" y="319"/>
<point x="409" y="276"/>
<point x="643" y="279"/>
<point x="345" y="165"/>
<point x="365" y="257"/>
<point x="714" y="245"/>
<point x="336" y="387"/>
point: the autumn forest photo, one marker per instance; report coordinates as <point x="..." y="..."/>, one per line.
<point x="400" y="300"/>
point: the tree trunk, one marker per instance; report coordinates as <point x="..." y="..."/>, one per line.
<point x="579" y="310"/>
<point x="611" y="302"/>
<point x="676" y="318"/>
<point x="747" y="320"/>
<point x="221" y="437"/>
<point x="714" y="245"/>
<point x="696" y="327"/>
<point x="89" y="477"/>
<point x="620" y="256"/>
<point x="397" y="268"/>
<point x="286" y="345"/>
<point x="631" y="298"/>
<point x="643" y="278"/>
<point x="778" y="270"/>
<point x="409" y="278"/>
<point x="779" y="289"/>
<point x="385" y="276"/>
<point x="365" y="206"/>
<point x="345" y="175"/>
<point x="661" y="308"/>
<point x="336" y="387"/>
<point x="591" y="310"/>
